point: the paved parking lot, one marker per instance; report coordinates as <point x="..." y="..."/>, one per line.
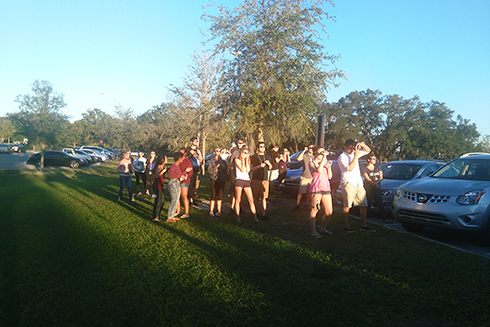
<point x="461" y="241"/>
<point x="15" y="161"/>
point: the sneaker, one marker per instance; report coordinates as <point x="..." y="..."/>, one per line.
<point x="326" y="232"/>
<point x="120" y="200"/>
<point x="211" y="215"/>
<point x="156" y="219"/>
<point x="218" y="214"/>
<point x="132" y="198"/>
<point x="296" y="208"/>
<point x="367" y="229"/>
<point x="258" y="222"/>
<point x="317" y="235"/>
<point x="147" y="192"/>
<point x="349" y="230"/>
<point x="184" y="216"/>
<point x="139" y="193"/>
<point x="154" y="196"/>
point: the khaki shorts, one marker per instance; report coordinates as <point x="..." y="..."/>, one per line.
<point x="353" y="196"/>
<point x="260" y="189"/>
<point x="304" y="185"/>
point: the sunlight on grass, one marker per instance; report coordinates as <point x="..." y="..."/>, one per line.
<point x="71" y="254"/>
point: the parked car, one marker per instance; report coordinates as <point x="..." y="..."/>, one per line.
<point x="74" y="153"/>
<point x="103" y="157"/>
<point x="5" y="148"/>
<point x="109" y="154"/>
<point x="455" y="197"/>
<point x="395" y="173"/>
<point x="57" y="158"/>
<point x="94" y="158"/>
<point x="18" y="147"/>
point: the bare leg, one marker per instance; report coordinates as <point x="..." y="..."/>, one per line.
<point x="327" y="207"/>
<point x="363" y="214"/>
<point x="211" y="207"/>
<point x="313" y="213"/>
<point x="183" y="194"/>
<point x="238" y="199"/>
<point x="264" y="206"/>
<point x="298" y="199"/>
<point x="345" y="215"/>
<point x="248" y="192"/>
<point x="218" y="205"/>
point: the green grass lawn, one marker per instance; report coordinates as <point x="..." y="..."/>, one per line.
<point x="72" y="255"/>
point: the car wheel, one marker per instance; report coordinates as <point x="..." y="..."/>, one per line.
<point x="412" y="227"/>
<point x="74" y="164"/>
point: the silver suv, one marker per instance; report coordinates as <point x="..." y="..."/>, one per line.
<point x="457" y="197"/>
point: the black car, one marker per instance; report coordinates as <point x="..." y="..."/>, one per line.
<point x="57" y="158"/>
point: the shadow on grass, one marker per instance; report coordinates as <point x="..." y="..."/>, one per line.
<point x="73" y="255"/>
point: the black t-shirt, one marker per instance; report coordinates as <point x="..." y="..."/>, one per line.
<point x="260" y="174"/>
<point x="374" y="175"/>
<point x="274" y="155"/>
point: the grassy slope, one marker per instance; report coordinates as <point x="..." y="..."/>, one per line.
<point x="72" y="255"/>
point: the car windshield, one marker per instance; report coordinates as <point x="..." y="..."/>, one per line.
<point x="404" y="171"/>
<point x="466" y="168"/>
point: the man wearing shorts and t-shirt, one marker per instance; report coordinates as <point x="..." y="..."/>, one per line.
<point x="260" y="164"/>
<point x="351" y="184"/>
<point x="305" y="181"/>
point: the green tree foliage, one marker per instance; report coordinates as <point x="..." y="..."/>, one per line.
<point x="7" y="129"/>
<point x="200" y="102"/>
<point x="159" y="131"/>
<point x="396" y="128"/>
<point x="40" y="118"/>
<point x="280" y="72"/>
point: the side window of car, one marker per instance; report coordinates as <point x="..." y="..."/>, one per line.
<point x="429" y="170"/>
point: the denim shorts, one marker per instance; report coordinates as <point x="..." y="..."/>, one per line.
<point x="184" y="185"/>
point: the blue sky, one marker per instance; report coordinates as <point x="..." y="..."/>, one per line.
<point x="132" y="50"/>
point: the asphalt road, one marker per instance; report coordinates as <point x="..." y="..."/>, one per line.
<point x="15" y="161"/>
<point x="457" y="240"/>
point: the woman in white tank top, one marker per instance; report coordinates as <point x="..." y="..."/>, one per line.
<point x="242" y="183"/>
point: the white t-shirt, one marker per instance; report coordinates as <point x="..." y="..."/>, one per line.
<point x="139" y="165"/>
<point x="353" y="177"/>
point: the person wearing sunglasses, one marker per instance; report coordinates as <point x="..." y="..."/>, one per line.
<point x="305" y="181"/>
<point x="218" y="171"/>
<point x="351" y="184"/>
<point x="372" y="184"/>
<point x="261" y="165"/>
<point x="150" y="174"/>
<point x="242" y="184"/>
<point x="235" y="153"/>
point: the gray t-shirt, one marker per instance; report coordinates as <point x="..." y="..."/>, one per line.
<point x="307" y="158"/>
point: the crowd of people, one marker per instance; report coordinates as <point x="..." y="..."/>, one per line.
<point x="253" y="176"/>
